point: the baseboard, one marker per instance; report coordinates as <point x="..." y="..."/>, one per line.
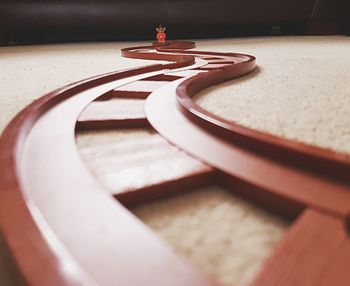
<point x="324" y="27"/>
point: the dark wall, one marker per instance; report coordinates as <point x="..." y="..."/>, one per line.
<point x="346" y="17"/>
<point x="327" y="16"/>
<point x="65" y="20"/>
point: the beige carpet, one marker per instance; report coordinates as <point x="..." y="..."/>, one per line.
<point x="29" y="72"/>
<point x="301" y="91"/>
<point x="227" y="237"/>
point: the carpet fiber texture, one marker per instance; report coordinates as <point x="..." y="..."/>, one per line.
<point x="300" y="91"/>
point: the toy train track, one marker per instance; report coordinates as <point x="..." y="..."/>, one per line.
<point x="62" y="227"/>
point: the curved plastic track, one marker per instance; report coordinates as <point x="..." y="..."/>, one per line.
<point x="56" y="217"/>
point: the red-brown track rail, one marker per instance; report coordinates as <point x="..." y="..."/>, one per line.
<point x="60" y="226"/>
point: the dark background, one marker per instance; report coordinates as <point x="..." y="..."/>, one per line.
<point x="30" y="21"/>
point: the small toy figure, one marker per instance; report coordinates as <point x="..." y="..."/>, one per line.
<point x="161" y="36"/>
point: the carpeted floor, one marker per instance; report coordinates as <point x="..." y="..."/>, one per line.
<point x="300" y="91"/>
<point x="227" y="237"/>
<point x="28" y="72"/>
